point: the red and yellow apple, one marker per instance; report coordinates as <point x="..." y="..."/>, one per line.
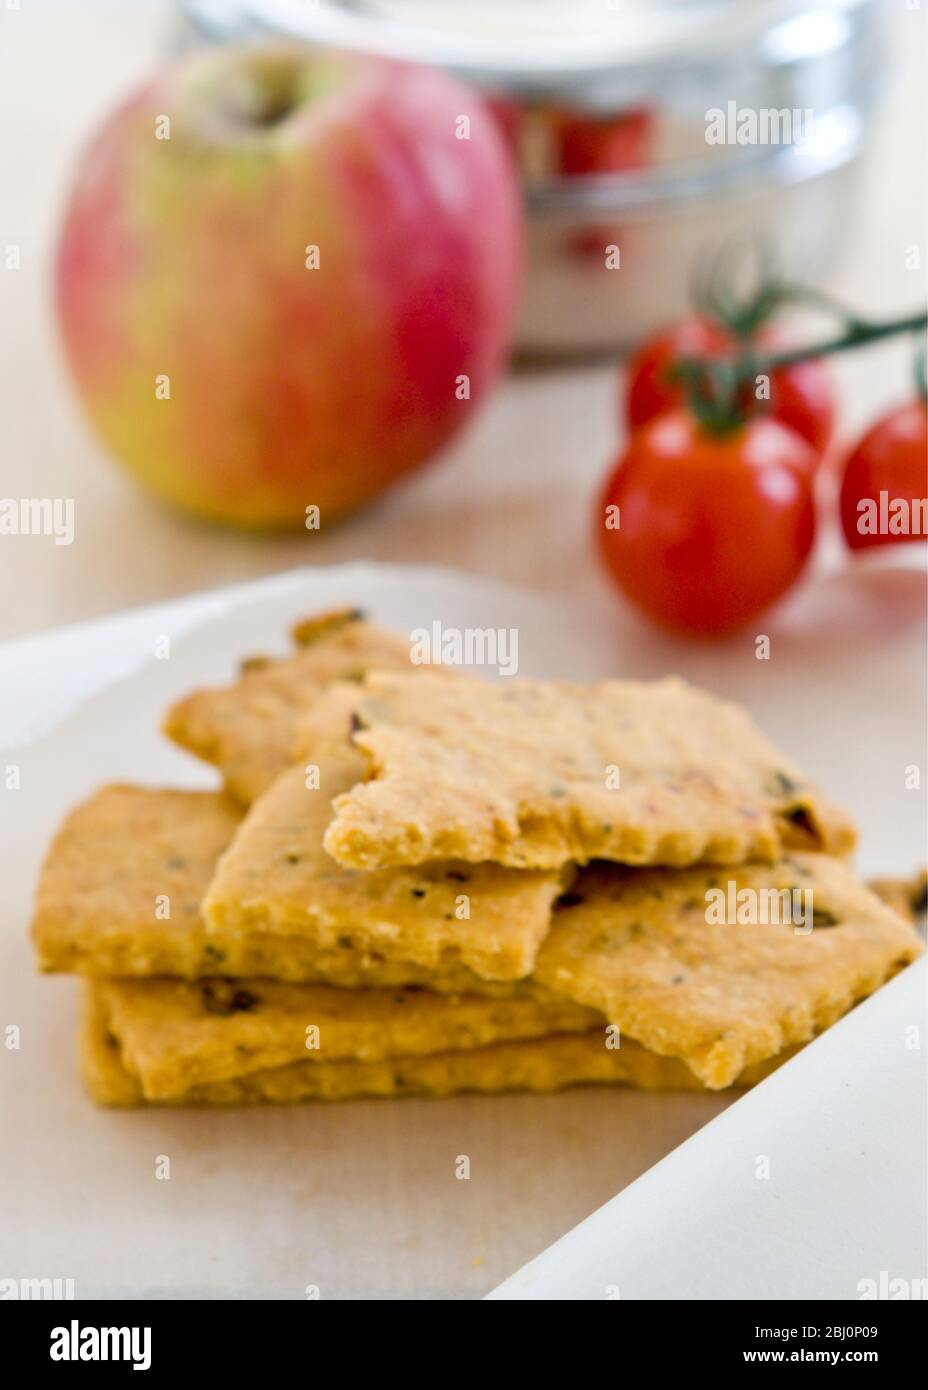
<point x="286" y="276"/>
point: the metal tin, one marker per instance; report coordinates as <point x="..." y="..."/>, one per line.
<point x="610" y="253"/>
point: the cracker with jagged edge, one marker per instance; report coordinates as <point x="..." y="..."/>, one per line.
<point x="175" y="1034"/>
<point x="907" y="896"/>
<point x="642" y="946"/>
<point x="247" y="728"/>
<point x="120" y="894"/>
<point x="535" y="774"/>
<point x="541" y="1064"/>
<point x="277" y="878"/>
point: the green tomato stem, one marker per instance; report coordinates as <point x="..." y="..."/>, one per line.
<point x="921" y="371"/>
<point x="856" y="334"/>
<point x="716" y="389"/>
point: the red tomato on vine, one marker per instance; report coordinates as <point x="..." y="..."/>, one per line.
<point x="704" y="530"/>
<point x="884" y="488"/>
<point x="801" y="396"/>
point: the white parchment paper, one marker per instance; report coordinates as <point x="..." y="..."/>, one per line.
<point x="362" y="1200"/>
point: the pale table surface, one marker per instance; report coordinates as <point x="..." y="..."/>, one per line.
<point x="511" y="500"/>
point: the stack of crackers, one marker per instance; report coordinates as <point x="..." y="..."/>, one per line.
<point x="414" y="881"/>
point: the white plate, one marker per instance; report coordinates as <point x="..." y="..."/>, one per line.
<point x="360" y="1200"/>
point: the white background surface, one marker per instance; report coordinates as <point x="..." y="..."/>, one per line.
<point x="361" y="1199"/>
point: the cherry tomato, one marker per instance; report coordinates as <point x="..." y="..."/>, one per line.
<point x="801" y="396"/>
<point x="710" y="529"/>
<point x="885" y="483"/>
<point x="588" y="145"/>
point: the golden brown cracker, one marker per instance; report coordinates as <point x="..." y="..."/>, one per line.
<point x="542" y="1064"/>
<point x="247" y="728"/>
<point x="277" y="878"/>
<point x="534" y="774"/>
<point x="722" y="996"/>
<point x="907" y="896"/>
<point x="123" y="878"/>
<point x="120" y="894"/>
<point x="176" y="1034"/>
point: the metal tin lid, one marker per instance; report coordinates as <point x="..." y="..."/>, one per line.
<point x="591" y="53"/>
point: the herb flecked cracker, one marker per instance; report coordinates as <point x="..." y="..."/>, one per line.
<point x="723" y="995"/>
<point x="277" y="878"/>
<point x="175" y="1034"/>
<point x="120" y="894"/>
<point x="533" y="774"/>
<point x="541" y="1064"/>
<point x="907" y="896"/>
<point x="247" y="728"/>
